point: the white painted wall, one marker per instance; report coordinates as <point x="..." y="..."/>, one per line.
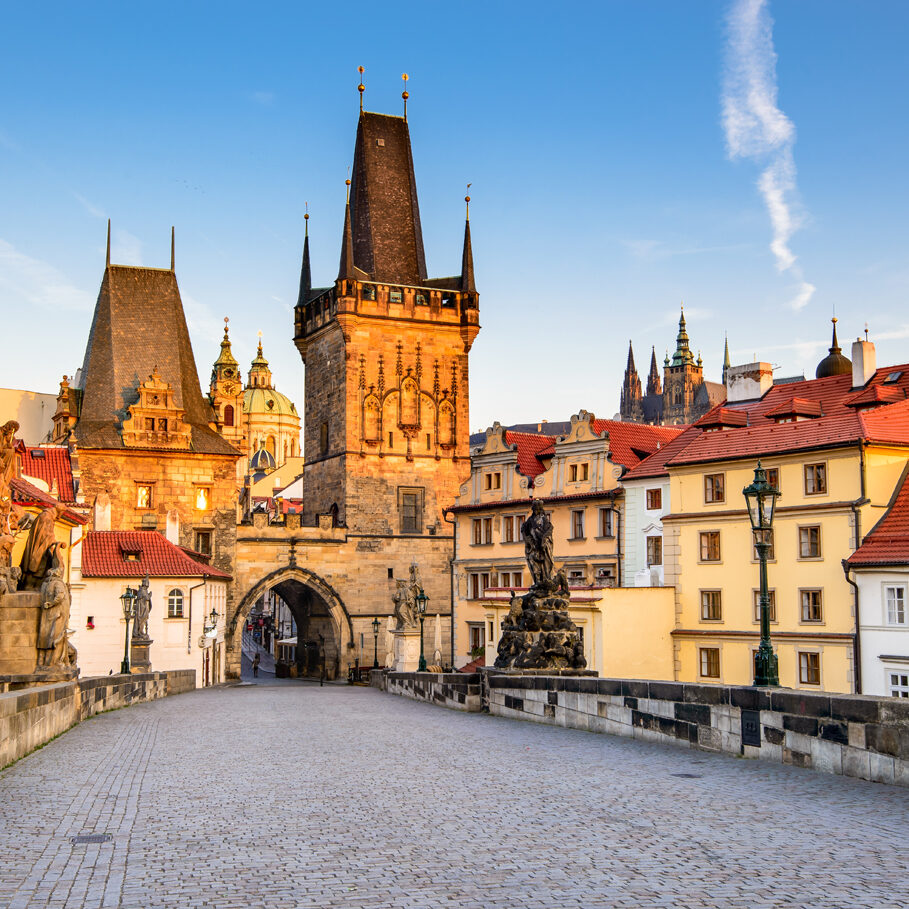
<point x="879" y="636"/>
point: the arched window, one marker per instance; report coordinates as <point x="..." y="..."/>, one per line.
<point x="229" y="415"/>
<point x="175" y="604"/>
<point x="409" y="408"/>
<point x="270" y="445"/>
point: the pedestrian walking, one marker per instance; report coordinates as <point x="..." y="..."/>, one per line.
<point x="256" y="666"/>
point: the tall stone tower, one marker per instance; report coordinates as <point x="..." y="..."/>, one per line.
<point x="385" y="350"/>
<point x="630" y="406"/>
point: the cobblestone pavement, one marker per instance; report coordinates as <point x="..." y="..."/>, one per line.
<point x="285" y="794"/>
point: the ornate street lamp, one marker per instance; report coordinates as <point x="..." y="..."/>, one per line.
<point x="128" y="601"/>
<point x="422" y="600"/>
<point x="761" y="498"/>
<point x="375" y="634"/>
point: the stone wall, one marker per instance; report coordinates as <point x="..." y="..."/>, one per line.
<point x="851" y="735"/>
<point x="457" y="690"/>
<point x="31" y="717"/>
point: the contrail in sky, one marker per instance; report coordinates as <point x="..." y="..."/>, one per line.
<point x="757" y="129"/>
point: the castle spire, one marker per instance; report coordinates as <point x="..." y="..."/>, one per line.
<point x="653" y="379"/>
<point x="305" y="271"/>
<point x="468" y="285"/>
<point x="629" y="366"/>
<point x="682" y="355"/>
<point x="726" y="363"/>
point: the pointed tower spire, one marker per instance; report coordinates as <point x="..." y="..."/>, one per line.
<point x="172" y="248"/>
<point x="361" y="87"/>
<point x="629" y="366"/>
<point x="305" y="270"/>
<point x="468" y="285"/>
<point x="630" y="405"/>
<point x="683" y="354"/>
<point x="108" y="242"/>
<point x="726" y="363"/>
<point x="405" y="94"/>
<point x="653" y="379"/>
<point x="346" y="268"/>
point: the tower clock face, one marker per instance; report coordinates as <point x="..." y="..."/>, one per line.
<point x="229" y="388"/>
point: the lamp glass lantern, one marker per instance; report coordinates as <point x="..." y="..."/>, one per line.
<point x="760" y="498"/>
<point x="375" y="633"/>
<point x="128" y="602"/>
<point x="422" y="600"/>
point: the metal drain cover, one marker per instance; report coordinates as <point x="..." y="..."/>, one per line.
<point x="687" y="776"/>
<point x="91" y="838"/>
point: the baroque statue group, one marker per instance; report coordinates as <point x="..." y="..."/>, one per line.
<point x="538" y="632"/>
<point x="40" y="568"/>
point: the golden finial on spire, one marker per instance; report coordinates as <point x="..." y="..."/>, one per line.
<point x="347" y="184"/>
<point x="260" y="343"/>
<point x="404" y="93"/>
<point x="467" y="200"/>
<point x="226" y="320"/>
<point x="306" y="218"/>
<point x="361" y="87"/>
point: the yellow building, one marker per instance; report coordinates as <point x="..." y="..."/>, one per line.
<point x="835" y="447"/>
<point x="577" y="477"/>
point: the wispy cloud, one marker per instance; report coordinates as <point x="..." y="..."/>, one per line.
<point x="758" y="130"/>
<point x="263" y="99"/>
<point x="93" y="210"/>
<point x="25" y="281"/>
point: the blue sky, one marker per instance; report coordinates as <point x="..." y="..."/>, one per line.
<point x="624" y="156"/>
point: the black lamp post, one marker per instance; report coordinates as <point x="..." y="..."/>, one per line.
<point x="128" y="601"/>
<point x="761" y="499"/>
<point x="375" y="634"/>
<point x="422" y="600"/>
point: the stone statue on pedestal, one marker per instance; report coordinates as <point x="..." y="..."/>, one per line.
<point x="405" y="599"/>
<point x="143" y="609"/>
<point x="538" y="633"/>
<point x="53" y="648"/>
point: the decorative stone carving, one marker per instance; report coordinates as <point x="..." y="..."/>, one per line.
<point x="143" y="609"/>
<point x="538" y="633"/>
<point x="40" y="548"/>
<point x="54" y="651"/>
<point x="155" y="420"/>
<point x="405" y="599"/>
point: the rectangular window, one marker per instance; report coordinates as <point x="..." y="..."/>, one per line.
<point x="485" y="581"/>
<point x="487" y="530"/>
<point x="149" y="424"/>
<point x="511" y="528"/>
<point x="715" y="487"/>
<point x="768" y="537"/>
<point x="476" y="633"/>
<point x="654" y="551"/>
<point x="143" y="496"/>
<point x="809" y="668"/>
<point x="410" y="509"/>
<point x="394" y="296"/>
<point x="572" y="473"/>
<point x="474" y="592"/>
<point x="773" y="477"/>
<point x="391" y="440"/>
<point x="202" y="496"/>
<point x="606" y="522"/>
<point x="896" y="605"/>
<point x="710" y="546"/>
<point x="757" y="605"/>
<point x="584" y="471"/>
<point x="810" y="542"/>
<point x="654" y="499"/>
<point x="815" y="479"/>
<point x="577" y="524"/>
<point x="203" y="542"/>
<point x="898" y="684"/>
<point x="476" y="532"/>
<point x="812" y="607"/>
<point x="711" y="605"/>
<point x="576" y="577"/>
<point x="487" y="481"/>
<point x="710" y="662"/>
<point x="175" y="604"/>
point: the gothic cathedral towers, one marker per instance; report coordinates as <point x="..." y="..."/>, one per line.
<point x="386" y="356"/>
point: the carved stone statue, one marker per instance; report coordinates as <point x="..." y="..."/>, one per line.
<point x="7" y="453"/>
<point x="407" y="614"/>
<point x="143" y="609"/>
<point x="40" y="548"/>
<point x="537" y="533"/>
<point x="53" y="647"/>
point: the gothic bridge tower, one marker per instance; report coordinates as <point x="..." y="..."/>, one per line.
<point x="386" y="354"/>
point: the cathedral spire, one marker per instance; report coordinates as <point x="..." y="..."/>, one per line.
<point x="726" y="363"/>
<point x="629" y="366"/>
<point x="305" y="271"/>
<point x="468" y="285"/>
<point x="653" y="379"/>
<point x="346" y="269"/>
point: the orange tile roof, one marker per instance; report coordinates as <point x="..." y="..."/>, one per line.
<point x="888" y="541"/>
<point x="530" y="447"/>
<point x="24" y="493"/>
<point x="50" y="464"/>
<point x="631" y="443"/>
<point x="104" y="556"/>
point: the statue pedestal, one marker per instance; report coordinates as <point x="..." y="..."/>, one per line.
<point x="138" y="657"/>
<point x="19" y="616"/>
<point x="407" y="649"/>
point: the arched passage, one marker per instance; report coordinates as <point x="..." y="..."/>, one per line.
<point x="322" y="621"/>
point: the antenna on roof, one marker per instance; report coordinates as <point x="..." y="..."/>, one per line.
<point x="404" y="94"/>
<point x="361" y="87"/>
<point x="171" y="247"/>
<point x="108" y="242"/>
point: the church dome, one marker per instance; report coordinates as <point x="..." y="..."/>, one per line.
<point x="834" y="364"/>
<point x="265" y="401"/>
<point x="262" y="462"/>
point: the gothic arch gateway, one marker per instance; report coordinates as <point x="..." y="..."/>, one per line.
<point x="317" y="608"/>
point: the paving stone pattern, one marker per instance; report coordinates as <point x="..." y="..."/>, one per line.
<point x="285" y="794"/>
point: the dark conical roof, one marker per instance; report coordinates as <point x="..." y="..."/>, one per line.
<point x="834" y="364"/>
<point x="385" y="215"/>
<point x="305" y="270"/>
<point x="468" y="284"/>
<point x="138" y="327"/>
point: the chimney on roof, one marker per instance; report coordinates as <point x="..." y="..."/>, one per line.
<point x="864" y="362"/>
<point x="748" y="382"/>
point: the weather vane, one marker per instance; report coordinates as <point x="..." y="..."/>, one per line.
<point x="404" y="93"/>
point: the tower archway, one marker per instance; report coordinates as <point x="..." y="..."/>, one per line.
<point x="323" y="624"/>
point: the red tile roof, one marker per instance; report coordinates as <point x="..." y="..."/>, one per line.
<point x="530" y="448"/>
<point x="630" y="443"/>
<point x="50" y="464"/>
<point x="841" y="424"/>
<point x="888" y="541"/>
<point x="655" y="465"/>
<point x="24" y="493"/>
<point x="103" y="556"/>
<point x="796" y="407"/>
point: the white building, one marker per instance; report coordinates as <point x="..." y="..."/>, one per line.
<point x="189" y="599"/>
<point x="879" y="569"/>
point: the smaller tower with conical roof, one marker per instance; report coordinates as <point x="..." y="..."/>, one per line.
<point x="226" y="392"/>
<point x="834" y="364"/>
